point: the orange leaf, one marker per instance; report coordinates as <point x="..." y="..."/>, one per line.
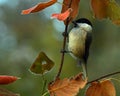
<point x="99" y="7"/>
<point x="62" y="16"/>
<point x="39" y="7"/>
<point x="67" y="87"/>
<point x="4" y="79"/>
<point x="102" y="88"/>
<point x="74" y="6"/>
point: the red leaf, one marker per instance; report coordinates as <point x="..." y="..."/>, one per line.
<point x="74" y="7"/>
<point x="39" y="7"/>
<point x="62" y="16"/>
<point x="4" y="79"/>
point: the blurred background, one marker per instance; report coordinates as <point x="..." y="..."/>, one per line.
<point x="22" y="37"/>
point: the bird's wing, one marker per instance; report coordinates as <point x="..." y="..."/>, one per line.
<point x="87" y="46"/>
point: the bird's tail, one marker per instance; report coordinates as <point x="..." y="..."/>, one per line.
<point x="84" y="68"/>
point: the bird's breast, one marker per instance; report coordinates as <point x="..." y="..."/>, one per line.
<point x="77" y="42"/>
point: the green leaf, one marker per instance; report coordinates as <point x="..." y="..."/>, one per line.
<point x="42" y="64"/>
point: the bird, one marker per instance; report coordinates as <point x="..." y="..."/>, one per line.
<point x="79" y="41"/>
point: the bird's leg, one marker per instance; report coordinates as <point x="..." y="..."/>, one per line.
<point x="65" y="34"/>
<point x="65" y="51"/>
<point x="84" y="68"/>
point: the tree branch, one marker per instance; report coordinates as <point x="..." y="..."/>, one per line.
<point x="64" y="44"/>
<point x="105" y="76"/>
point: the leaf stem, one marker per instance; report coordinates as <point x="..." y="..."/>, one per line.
<point x="64" y="44"/>
<point x="105" y="76"/>
<point x="45" y="93"/>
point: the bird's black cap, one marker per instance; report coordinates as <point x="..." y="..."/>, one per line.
<point x="82" y="20"/>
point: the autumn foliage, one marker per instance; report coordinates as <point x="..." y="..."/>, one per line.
<point x="39" y="7"/>
<point x="102" y="9"/>
<point x="101" y="88"/>
<point x="106" y="9"/>
<point x="67" y="87"/>
<point x="4" y="79"/>
<point x="62" y="16"/>
<point x="74" y="6"/>
<point x="68" y="10"/>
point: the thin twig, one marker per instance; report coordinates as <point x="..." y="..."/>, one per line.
<point x="105" y="76"/>
<point x="63" y="53"/>
<point x="44" y="84"/>
<point x="45" y="93"/>
<point x="64" y="44"/>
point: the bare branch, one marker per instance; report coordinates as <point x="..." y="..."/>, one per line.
<point x="64" y="44"/>
<point x="105" y="76"/>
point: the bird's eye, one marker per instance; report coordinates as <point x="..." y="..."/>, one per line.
<point x="75" y="24"/>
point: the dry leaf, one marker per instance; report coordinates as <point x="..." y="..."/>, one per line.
<point x="102" y="88"/>
<point x="5" y="92"/>
<point x="67" y="87"/>
<point x="62" y="16"/>
<point x="74" y="7"/>
<point x="42" y="64"/>
<point x="5" y="79"/>
<point x="39" y="7"/>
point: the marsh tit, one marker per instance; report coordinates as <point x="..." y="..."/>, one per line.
<point x="80" y="38"/>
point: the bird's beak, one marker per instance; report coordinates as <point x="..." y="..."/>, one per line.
<point x="75" y="24"/>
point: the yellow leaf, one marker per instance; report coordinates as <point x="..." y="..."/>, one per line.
<point x="42" y="64"/>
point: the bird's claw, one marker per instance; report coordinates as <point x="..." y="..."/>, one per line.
<point x="65" y="34"/>
<point x="63" y="51"/>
